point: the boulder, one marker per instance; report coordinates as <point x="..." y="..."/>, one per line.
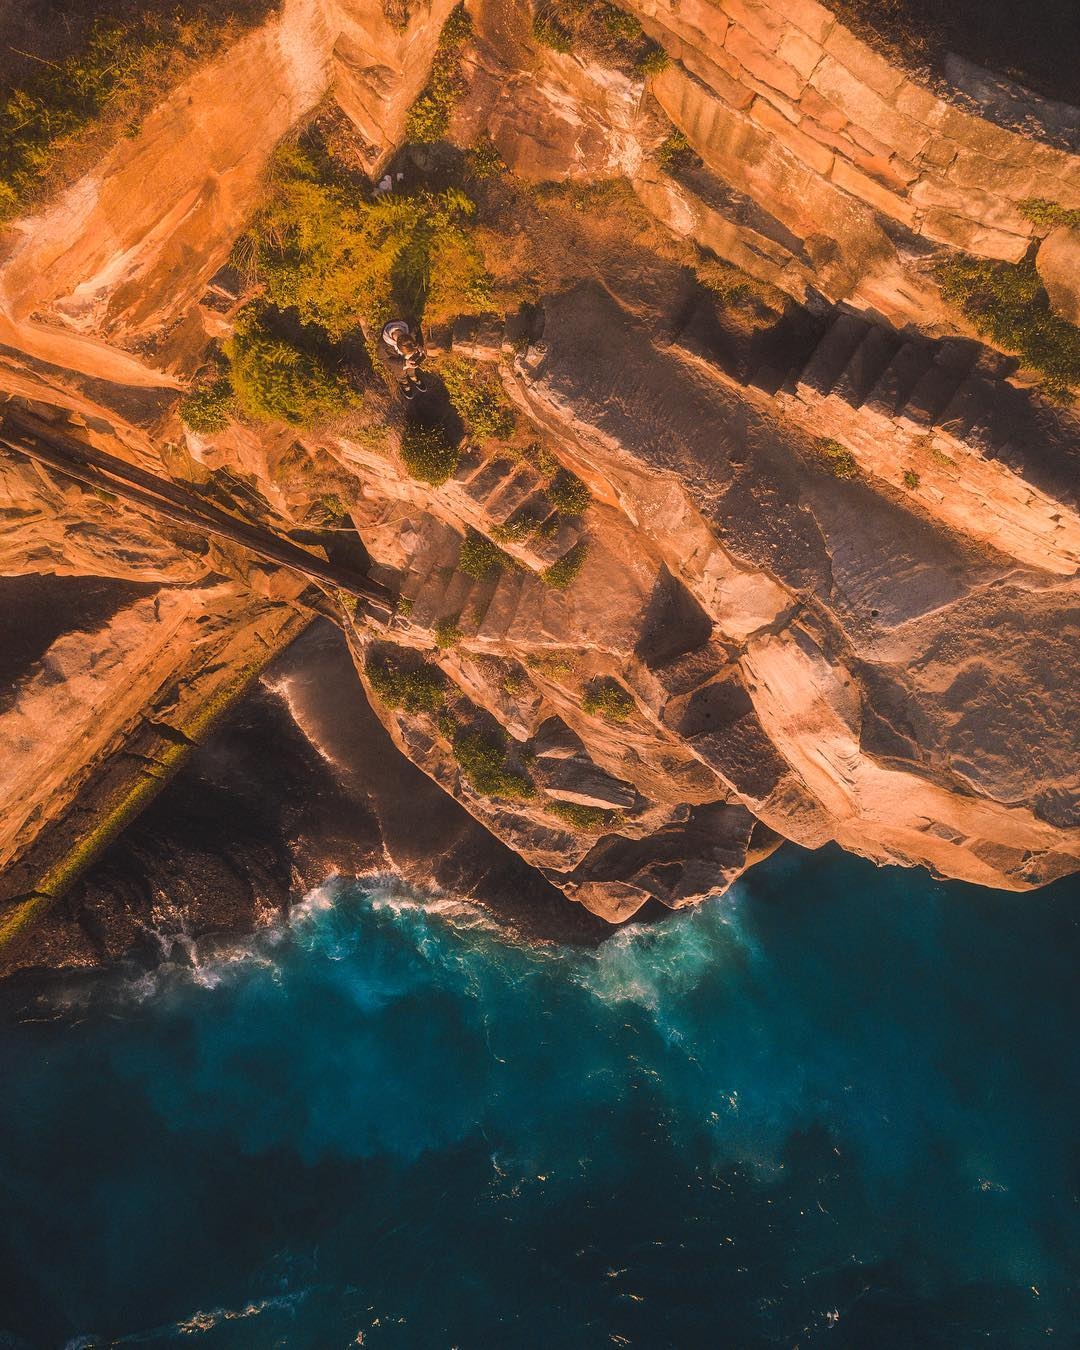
<point x="1058" y="261"/>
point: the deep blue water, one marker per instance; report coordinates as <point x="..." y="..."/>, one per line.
<point x="837" y="1107"/>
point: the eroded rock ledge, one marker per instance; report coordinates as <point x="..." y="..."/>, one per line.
<point x="883" y="658"/>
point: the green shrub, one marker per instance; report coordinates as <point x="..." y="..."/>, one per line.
<point x="607" y="698"/>
<point x="484" y="161"/>
<point x="482" y="760"/>
<point x="911" y="479"/>
<point x="447" y="634"/>
<point x="478" y="398"/>
<point x="1047" y="215"/>
<point x="1007" y="303"/>
<point x="479" y="557"/>
<point x="567" y="493"/>
<point x="838" y="458"/>
<point x="581" y="817"/>
<point x="317" y="246"/>
<point x="563" y="573"/>
<point x="278" y="378"/>
<point x="410" y="688"/>
<point x="207" y="406"/>
<point x="428" y="453"/>
<point x="556" y="665"/>
<point x="429" y="117"/>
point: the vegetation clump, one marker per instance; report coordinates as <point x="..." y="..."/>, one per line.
<point x="429" y="117"/>
<point x="478" y="398"/>
<point x="428" y="453"/>
<point x="409" y="688"/>
<point x="478" y="557"/>
<point x="208" y="404"/>
<point x="1008" y="303"/>
<point x="281" y="375"/>
<point x="319" y="246"/>
<point x="447" y="634"/>
<point x="676" y="155"/>
<point x="581" y="817"/>
<point x="911" y="479"/>
<point x="567" y="493"/>
<point x="556" y="665"/>
<point x="599" y="32"/>
<point x="1047" y="215"/>
<point x="608" y="699"/>
<point x="483" y="761"/>
<point x="560" y="575"/>
<point x="838" y="458"/>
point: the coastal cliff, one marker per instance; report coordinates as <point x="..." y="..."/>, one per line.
<point x="746" y="527"/>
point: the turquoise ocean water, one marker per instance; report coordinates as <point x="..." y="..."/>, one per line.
<point x="837" y="1107"/>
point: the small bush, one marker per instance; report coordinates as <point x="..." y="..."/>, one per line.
<point x="600" y="32"/>
<point x="911" y="479"/>
<point x="479" y="557"/>
<point x="567" y="493"/>
<point x="608" y="699"/>
<point x="1047" y="215"/>
<point x="483" y="762"/>
<point x="563" y="573"/>
<point x="483" y="160"/>
<point x="478" y="398"/>
<point x="411" y="689"/>
<point x="429" y="117"/>
<point x="581" y="817"/>
<point x="838" y="458"/>
<point x="279" y="378"/>
<point x="1007" y="303"/>
<point x="207" y="406"/>
<point x="428" y="453"/>
<point x="447" y="634"/>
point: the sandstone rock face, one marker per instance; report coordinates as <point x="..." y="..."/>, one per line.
<point x="1058" y="261"/>
<point x="831" y="573"/>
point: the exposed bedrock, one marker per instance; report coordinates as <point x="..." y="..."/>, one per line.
<point x="884" y="658"/>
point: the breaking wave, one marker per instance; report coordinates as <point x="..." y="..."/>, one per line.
<point x="831" y="1104"/>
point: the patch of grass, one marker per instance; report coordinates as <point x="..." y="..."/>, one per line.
<point x="567" y="493"/>
<point x="838" y="458"/>
<point x="735" y="287"/>
<point x="208" y="404"/>
<point x="121" y="66"/>
<point x="478" y="557"/>
<point x="484" y="161"/>
<point x="1007" y="303"/>
<point x="676" y="155"/>
<point x="277" y="377"/>
<point x="447" y="634"/>
<point x="557" y="665"/>
<point x="600" y="32"/>
<point x="428" y="453"/>
<point x="1047" y="215"/>
<point x="911" y="479"/>
<point x="588" y="818"/>
<point x="518" y="531"/>
<point x="478" y="398"/>
<point x="483" y="761"/>
<point x="607" y="698"/>
<point x="429" y="117"/>
<point x="409" y="687"/>
<point x="560" y="575"/>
